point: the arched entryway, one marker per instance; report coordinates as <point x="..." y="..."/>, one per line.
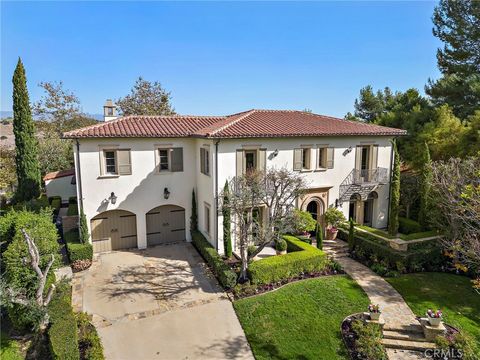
<point x="114" y="230"/>
<point x="353" y="212"/>
<point x="315" y="207"/>
<point x="165" y="224"/>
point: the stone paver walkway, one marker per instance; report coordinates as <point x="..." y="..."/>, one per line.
<point x="396" y="313"/>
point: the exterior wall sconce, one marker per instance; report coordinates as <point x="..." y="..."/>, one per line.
<point x="113" y="198"/>
<point x="166" y="193"/>
<point x="273" y="155"/>
<point x="347" y="151"/>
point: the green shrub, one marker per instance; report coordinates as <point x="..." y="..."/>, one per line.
<point x="369" y="340"/>
<point x="319" y="234"/>
<point x="63" y="333"/>
<point x="88" y="338"/>
<point x="251" y="249"/>
<point x="72" y="200"/>
<point x="408" y="226"/>
<point x="225" y="275"/>
<point x="55" y="203"/>
<point x="75" y="249"/>
<point x="40" y="228"/>
<point x="351" y="235"/>
<point x="334" y="217"/>
<point x="304" y="222"/>
<point x="301" y="258"/>
<point x="72" y="209"/>
<point x="281" y="245"/>
<point x="34" y="205"/>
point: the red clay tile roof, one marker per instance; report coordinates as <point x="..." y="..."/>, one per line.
<point x="248" y="124"/>
<point x="59" y="174"/>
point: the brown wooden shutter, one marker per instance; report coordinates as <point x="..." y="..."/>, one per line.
<point x="358" y="156"/>
<point x="239" y="163"/>
<point x="177" y="159"/>
<point x="297" y="159"/>
<point x="330" y="157"/>
<point x="202" y="160"/>
<point x="374" y="162"/>
<point x="124" y="165"/>
<point x="262" y="160"/>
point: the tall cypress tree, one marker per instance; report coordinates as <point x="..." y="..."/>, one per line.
<point x="227" y="220"/>
<point x="394" y="192"/>
<point x="425" y="186"/>
<point x="194" y="217"/>
<point x="26" y="158"/>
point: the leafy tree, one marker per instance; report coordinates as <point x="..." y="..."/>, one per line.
<point x="394" y="193"/>
<point x="8" y="178"/>
<point x="194" y="217"/>
<point x="456" y="193"/>
<point x="61" y="108"/>
<point x="227" y="221"/>
<point x="370" y="105"/>
<point x="471" y="136"/>
<point x="457" y="25"/>
<point x="26" y="159"/>
<point x="409" y="194"/>
<point x="146" y="98"/>
<point x="83" y="227"/>
<point x="54" y="153"/>
<point x="425" y="187"/>
<point x="276" y="190"/>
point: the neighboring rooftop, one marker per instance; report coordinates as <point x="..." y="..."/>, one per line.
<point x="248" y="124"/>
<point x="59" y="174"/>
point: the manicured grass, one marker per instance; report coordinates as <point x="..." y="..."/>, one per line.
<point x="413" y="236"/>
<point x="301" y="320"/>
<point x="453" y="294"/>
<point x="9" y="349"/>
<point x="376" y="231"/>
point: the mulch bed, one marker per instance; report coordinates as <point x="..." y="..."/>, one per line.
<point x="349" y="336"/>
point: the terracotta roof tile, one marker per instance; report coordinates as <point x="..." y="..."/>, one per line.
<point x="252" y="123"/>
<point x="59" y="174"/>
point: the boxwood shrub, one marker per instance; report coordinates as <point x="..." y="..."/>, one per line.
<point x="75" y="249"/>
<point x="88" y="338"/>
<point x="225" y="275"/>
<point x="63" y="333"/>
<point x="408" y="226"/>
<point x="301" y="258"/>
<point x="55" y="203"/>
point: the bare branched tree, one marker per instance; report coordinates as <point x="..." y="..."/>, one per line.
<point x="456" y="196"/>
<point x="19" y="296"/>
<point x="275" y="192"/>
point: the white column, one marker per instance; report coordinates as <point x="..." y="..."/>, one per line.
<point x="141" y="230"/>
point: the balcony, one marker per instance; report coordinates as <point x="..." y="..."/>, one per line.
<point x="362" y="182"/>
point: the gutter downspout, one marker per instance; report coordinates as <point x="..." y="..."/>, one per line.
<point x="79" y="177"/>
<point x="390" y="184"/>
<point x="216" y="194"/>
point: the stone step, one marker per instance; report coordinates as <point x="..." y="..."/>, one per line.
<point x="408" y="345"/>
<point x="403" y="335"/>
<point x="412" y="328"/>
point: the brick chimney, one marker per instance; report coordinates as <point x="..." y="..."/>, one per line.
<point x="109" y="110"/>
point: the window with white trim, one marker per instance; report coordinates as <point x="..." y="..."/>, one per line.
<point x="205" y="160"/>
<point x="110" y="162"/>
<point x="115" y="162"/>
<point x="207" y="218"/>
<point x="169" y="159"/>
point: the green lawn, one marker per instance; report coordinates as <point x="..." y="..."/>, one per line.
<point x="453" y="294"/>
<point x="9" y="349"/>
<point x="413" y="236"/>
<point x="301" y="320"/>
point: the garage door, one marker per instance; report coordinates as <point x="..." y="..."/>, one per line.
<point x="165" y="224"/>
<point x="114" y="230"/>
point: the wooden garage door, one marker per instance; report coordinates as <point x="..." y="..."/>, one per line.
<point x="165" y="224"/>
<point x="114" y="230"/>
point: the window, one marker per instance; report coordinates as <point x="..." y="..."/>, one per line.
<point x="115" y="162"/>
<point x="110" y="162"/>
<point x="325" y="158"/>
<point x="204" y="161"/>
<point x="164" y="160"/>
<point x="207" y="218"/>
<point x="169" y="159"/>
<point x="302" y="158"/>
<point x="306" y="158"/>
<point x="110" y="111"/>
<point x="248" y="160"/>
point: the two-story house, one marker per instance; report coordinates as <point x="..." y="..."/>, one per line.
<point x="135" y="174"/>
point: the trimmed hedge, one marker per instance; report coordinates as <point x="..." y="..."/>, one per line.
<point x="72" y="209"/>
<point x="88" y="338"/>
<point x="55" y="203"/>
<point x="409" y="226"/>
<point x="75" y="249"/>
<point x="225" y="275"/>
<point x="301" y="258"/>
<point x="63" y="333"/>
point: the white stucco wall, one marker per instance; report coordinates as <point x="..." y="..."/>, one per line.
<point x="62" y="187"/>
<point x="143" y="189"/>
<point x="343" y="165"/>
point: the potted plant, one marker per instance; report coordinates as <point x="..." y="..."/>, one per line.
<point x="303" y="224"/>
<point x="281" y="247"/>
<point x="333" y="217"/>
<point x="434" y="317"/>
<point x="374" y="312"/>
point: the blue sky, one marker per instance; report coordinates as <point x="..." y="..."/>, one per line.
<point x="220" y="58"/>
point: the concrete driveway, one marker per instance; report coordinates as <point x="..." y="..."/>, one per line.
<point x="159" y="303"/>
